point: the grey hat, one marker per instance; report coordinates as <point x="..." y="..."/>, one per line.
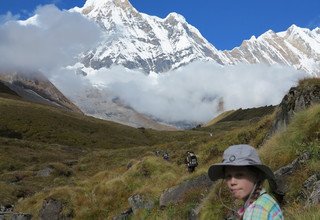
<point x="241" y="155"/>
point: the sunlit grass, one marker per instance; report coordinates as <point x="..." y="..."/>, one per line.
<point x="114" y="162"/>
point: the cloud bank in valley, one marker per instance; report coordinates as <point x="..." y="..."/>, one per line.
<point x="50" y="39"/>
<point x="192" y="93"/>
<point x="53" y="39"/>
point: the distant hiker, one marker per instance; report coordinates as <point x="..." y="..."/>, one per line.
<point x="244" y="174"/>
<point x="157" y="153"/>
<point x="165" y="156"/>
<point x="191" y="161"/>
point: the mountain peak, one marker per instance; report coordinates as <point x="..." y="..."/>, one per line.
<point x="294" y="29"/>
<point x="104" y="2"/>
<point x="95" y="7"/>
<point x="176" y="16"/>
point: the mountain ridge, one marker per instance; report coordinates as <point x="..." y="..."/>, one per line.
<point x="139" y="41"/>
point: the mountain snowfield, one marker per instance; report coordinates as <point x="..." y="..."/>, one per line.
<point x="153" y="45"/>
<point x="140" y="41"/>
<point x="297" y="47"/>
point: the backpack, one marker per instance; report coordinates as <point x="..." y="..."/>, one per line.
<point x="192" y="160"/>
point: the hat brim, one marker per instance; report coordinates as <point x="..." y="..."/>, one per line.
<point x="216" y="172"/>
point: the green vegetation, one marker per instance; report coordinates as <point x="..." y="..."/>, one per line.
<point x="94" y="166"/>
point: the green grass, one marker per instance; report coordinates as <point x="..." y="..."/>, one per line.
<point x="100" y="181"/>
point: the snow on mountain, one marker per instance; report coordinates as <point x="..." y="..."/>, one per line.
<point x="139" y="41"/>
<point x="297" y="47"/>
<point x="156" y="45"/>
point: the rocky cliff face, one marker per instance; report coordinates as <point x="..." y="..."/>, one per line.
<point x="140" y="41"/>
<point x="151" y="44"/>
<point x="36" y="87"/>
<point x="297" y="99"/>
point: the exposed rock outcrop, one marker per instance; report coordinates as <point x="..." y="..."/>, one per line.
<point x="297" y="99"/>
<point x="52" y="209"/>
<point x="310" y="192"/>
<point x="139" y="202"/>
<point x="176" y="193"/>
<point x="315" y="195"/>
<point x="45" y="172"/>
<point x="18" y="216"/>
<point x="287" y="170"/>
<point x="35" y="87"/>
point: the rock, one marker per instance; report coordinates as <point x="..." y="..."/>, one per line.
<point x="176" y="193"/>
<point x="310" y="192"/>
<point x="6" y="208"/>
<point x="71" y="162"/>
<point x="309" y="183"/>
<point x="129" y="165"/>
<point x="289" y="169"/>
<point x="315" y="195"/>
<point x="45" y="172"/>
<point x="124" y="215"/>
<point x="18" y="216"/>
<point x="52" y="210"/>
<point x="285" y="171"/>
<point x="139" y="202"/>
<point x="297" y="99"/>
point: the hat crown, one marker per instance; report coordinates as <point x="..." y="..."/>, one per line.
<point x="241" y="154"/>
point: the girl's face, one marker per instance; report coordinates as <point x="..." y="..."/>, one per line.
<point x="240" y="181"/>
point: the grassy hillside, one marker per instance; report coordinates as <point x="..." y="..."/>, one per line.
<point x="34" y="137"/>
<point x="97" y="165"/>
<point x="302" y="135"/>
<point x="218" y="118"/>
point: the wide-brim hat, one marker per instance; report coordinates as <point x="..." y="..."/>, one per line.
<point x="241" y="155"/>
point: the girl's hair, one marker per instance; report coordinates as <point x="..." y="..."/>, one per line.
<point x="260" y="178"/>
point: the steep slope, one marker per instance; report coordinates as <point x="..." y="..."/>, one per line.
<point x="147" y="176"/>
<point x="297" y="47"/>
<point x="140" y="41"/>
<point x="35" y="87"/>
<point x="98" y="104"/>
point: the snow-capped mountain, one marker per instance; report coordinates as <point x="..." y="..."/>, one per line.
<point x="297" y="47"/>
<point x="140" y="41"/>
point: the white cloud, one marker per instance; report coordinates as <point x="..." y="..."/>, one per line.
<point x="53" y="38"/>
<point x="192" y="93"/>
<point x="8" y="17"/>
<point x="50" y="39"/>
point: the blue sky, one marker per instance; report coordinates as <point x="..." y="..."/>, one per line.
<point x="225" y="23"/>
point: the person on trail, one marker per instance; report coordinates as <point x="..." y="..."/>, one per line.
<point x="191" y="161"/>
<point x="244" y="174"/>
<point x="165" y="156"/>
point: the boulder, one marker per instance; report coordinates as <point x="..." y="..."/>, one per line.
<point x="287" y="170"/>
<point x="124" y="215"/>
<point x="176" y="193"/>
<point x="310" y="192"/>
<point x="314" y="198"/>
<point x="52" y="210"/>
<point x="139" y="202"/>
<point x="297" y="99"/>
<point x="18" y="216"/>
<point x="45" y="172"/>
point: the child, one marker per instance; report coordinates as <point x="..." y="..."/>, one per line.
<point x="244" y="174"/>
